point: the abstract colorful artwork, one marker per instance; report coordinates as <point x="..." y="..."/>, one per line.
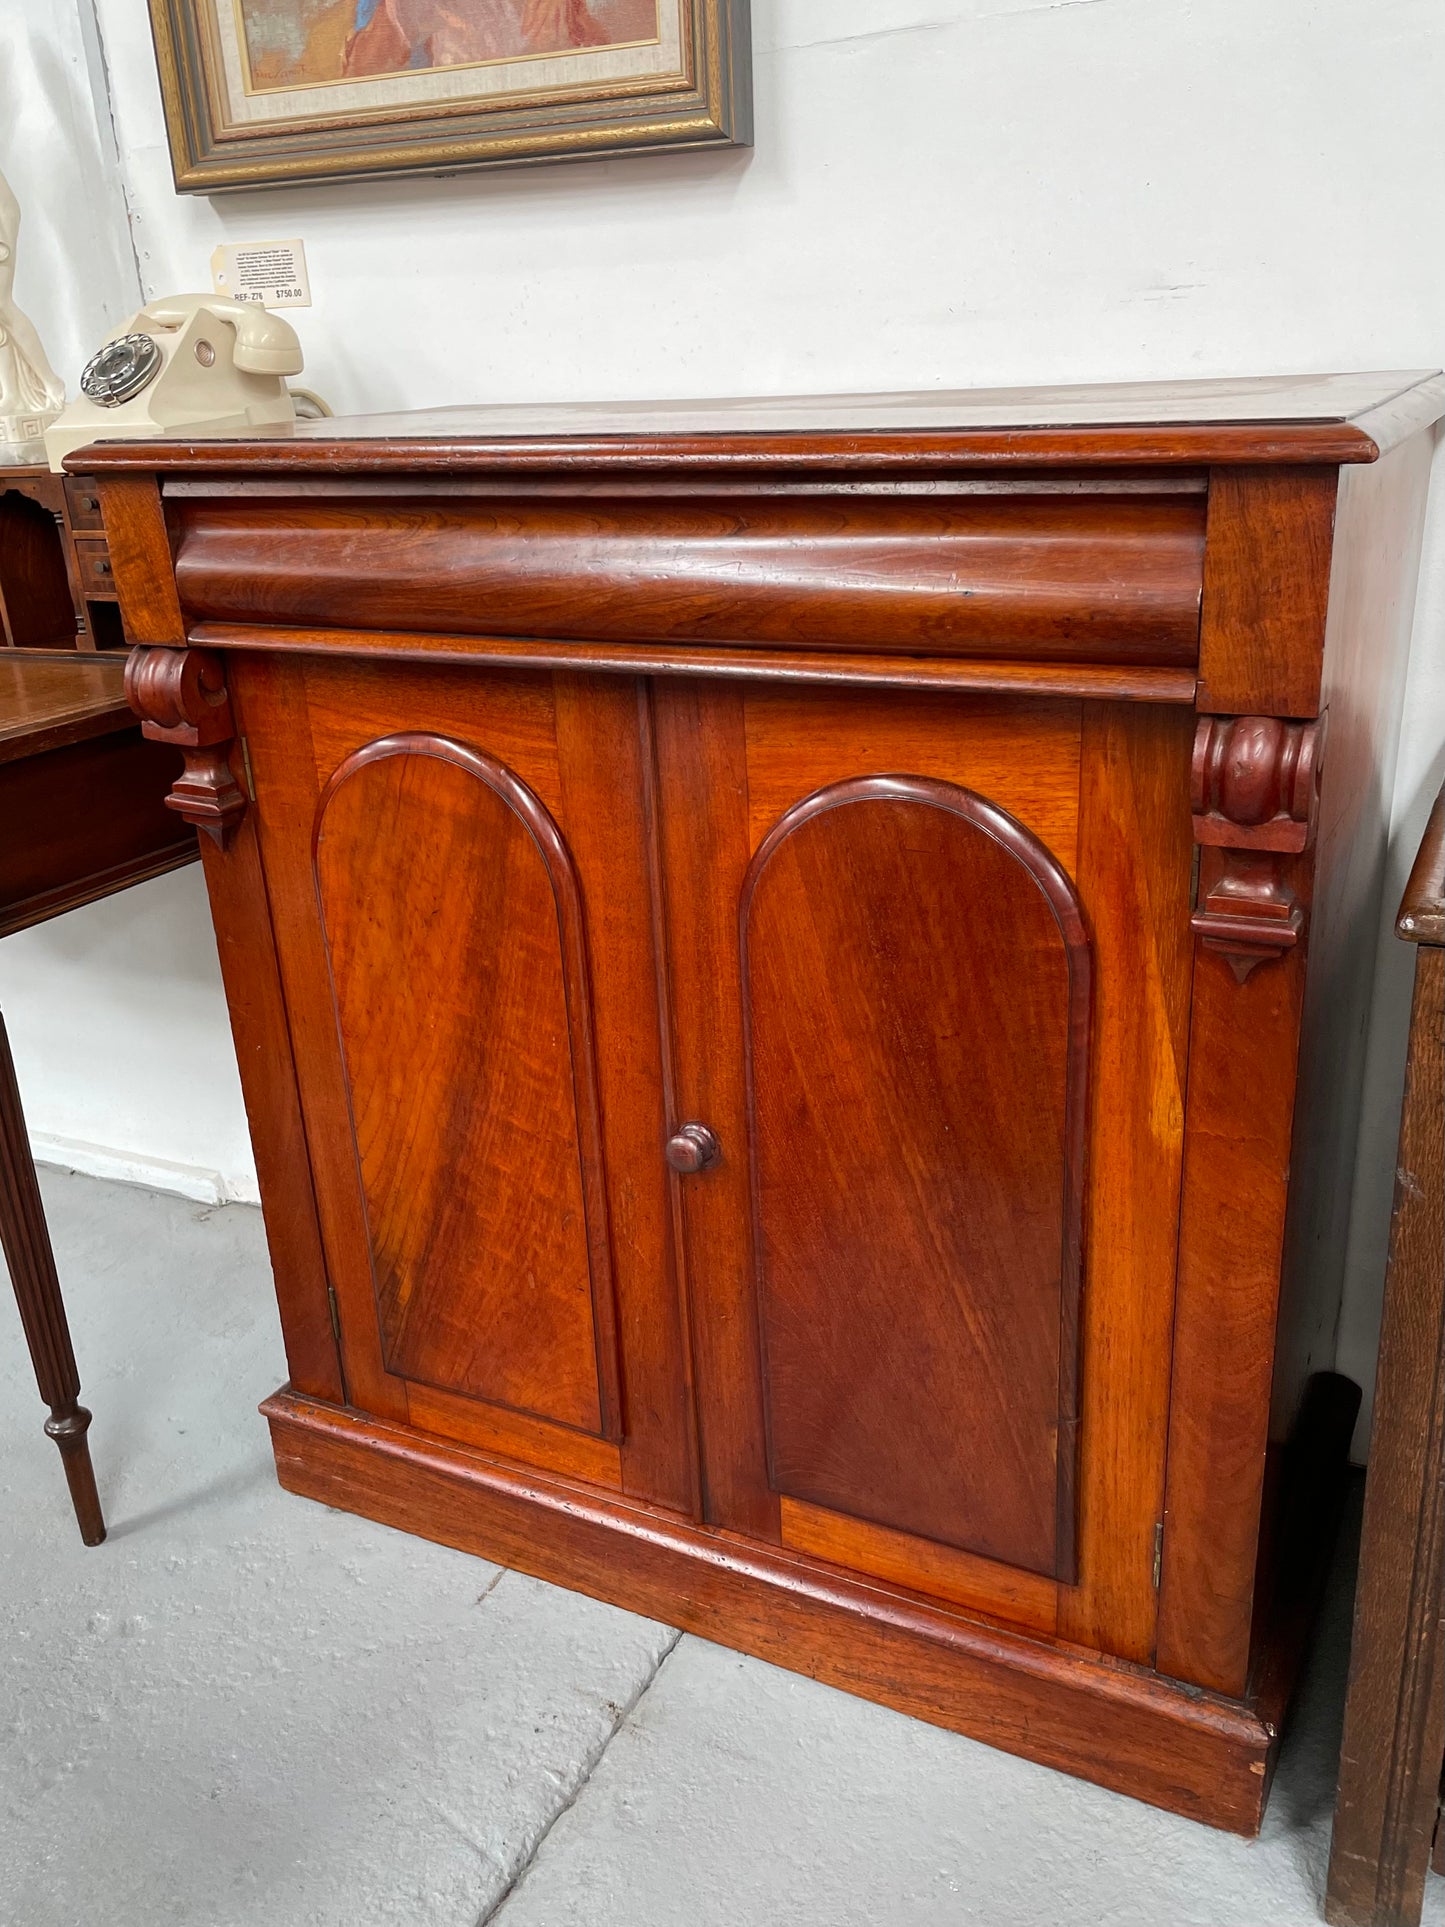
<point x="292" y="43"/>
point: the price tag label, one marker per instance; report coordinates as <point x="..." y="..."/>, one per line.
<point x="272" y="274"/>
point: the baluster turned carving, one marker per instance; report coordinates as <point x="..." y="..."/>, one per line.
<point x="180" y="697"/>
<point x="1256" y="785"/>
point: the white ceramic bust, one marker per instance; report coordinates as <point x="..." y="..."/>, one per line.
<point x="31" y="393"/>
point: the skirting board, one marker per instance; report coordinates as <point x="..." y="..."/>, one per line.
<point x="1118" y="1725"/>
<point x="155" y="1174"/>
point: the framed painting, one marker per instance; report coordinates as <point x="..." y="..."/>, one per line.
<point x="267" y="92"/>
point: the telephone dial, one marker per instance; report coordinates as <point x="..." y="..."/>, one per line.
<point x="198" y="364"/>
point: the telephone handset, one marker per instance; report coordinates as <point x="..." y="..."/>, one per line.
<point x="198" y="364"/>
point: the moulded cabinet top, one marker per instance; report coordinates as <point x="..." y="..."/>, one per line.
<point x="1300" y="418"/>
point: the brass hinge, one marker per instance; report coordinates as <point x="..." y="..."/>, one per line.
<point x="1158" y="1553"/>
<point x="246" y="760"/>
<point x="335" y="1314"/>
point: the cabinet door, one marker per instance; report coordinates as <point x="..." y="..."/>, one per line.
<point x="459" y="877"/>
<point x="929" y="974"/>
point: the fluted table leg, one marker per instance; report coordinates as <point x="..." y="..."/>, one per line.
<point x="26" y="1243"/>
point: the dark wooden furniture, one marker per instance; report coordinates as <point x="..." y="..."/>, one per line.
<point x="56" y="588"/>
<point x="799" y="972"/>
<point x="1394" y="1740"/>
<point x="82" y="814"/>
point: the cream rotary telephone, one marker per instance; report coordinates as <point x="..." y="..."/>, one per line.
<point x="194" y="364"/>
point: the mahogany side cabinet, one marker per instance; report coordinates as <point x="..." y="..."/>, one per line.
<point x="799" y="973"/>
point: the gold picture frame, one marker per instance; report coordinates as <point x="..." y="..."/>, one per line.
<point x="268" y="93"/>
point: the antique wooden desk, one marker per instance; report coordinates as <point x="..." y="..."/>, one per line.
<point x="799" y="972"/>
<point x="82" y="814"/>
<point x="1394" y="1739"/>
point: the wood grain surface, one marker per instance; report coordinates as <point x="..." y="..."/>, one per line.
<point x="47" y="703"/>
<point x="1133" y="874"/>
<point x="982" y="1586"/>
<point x="1113" y="579"/>
<point x="140" y="555"/>
<point x="453" y="922"/>
<point x="838" y="670"/>
<point x="1422" y="909"/>
<point x="569" y="744"/>
<point x="37" y="609"/>
<point x="25" y="1239"/>
<point x="1244" y="1041"/>
<point x="1394" y="1736"/>
<point x="917" y="994"/>
<point x="1266" y="590"/>
<point x="266" y="1060"/>
<point x="83" y="794"/>
<point x="700" y="745"/>
<point x="1312" y="418"/>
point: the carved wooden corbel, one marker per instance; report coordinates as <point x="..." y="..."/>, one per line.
<point x="180" y="697"/>
<point x="1256" y="785"/>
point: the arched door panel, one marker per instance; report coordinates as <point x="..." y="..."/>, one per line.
<point x="453" y="924"/>
<point x="916" y="981"/>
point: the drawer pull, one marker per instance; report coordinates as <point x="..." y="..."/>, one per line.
<point x="101" y="566"/>
<point x="693" y="1149"/>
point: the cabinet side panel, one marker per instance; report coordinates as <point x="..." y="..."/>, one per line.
<point x="1275" y="1074"/>
<point x="1378" y="536"/>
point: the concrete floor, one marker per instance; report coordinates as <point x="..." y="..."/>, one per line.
<point x="245" y="1708"/>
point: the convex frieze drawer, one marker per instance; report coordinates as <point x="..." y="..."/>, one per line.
<point x="1053" y="574"/>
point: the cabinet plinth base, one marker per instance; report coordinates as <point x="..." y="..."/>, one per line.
<point x="1118" y="1725"/>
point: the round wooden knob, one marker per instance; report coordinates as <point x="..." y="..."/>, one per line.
<point x="693" y="1149"/>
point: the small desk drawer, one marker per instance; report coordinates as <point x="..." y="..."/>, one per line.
<point x="92" y="560"/>
<point x="83" y="498"/>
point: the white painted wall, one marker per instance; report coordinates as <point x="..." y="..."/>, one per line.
<point x="944" y="192"/>
<point x="115" y="1013"/>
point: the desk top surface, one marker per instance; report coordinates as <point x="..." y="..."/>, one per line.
<point x="1314" y="418"/>
<point x="46" y="704"/>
